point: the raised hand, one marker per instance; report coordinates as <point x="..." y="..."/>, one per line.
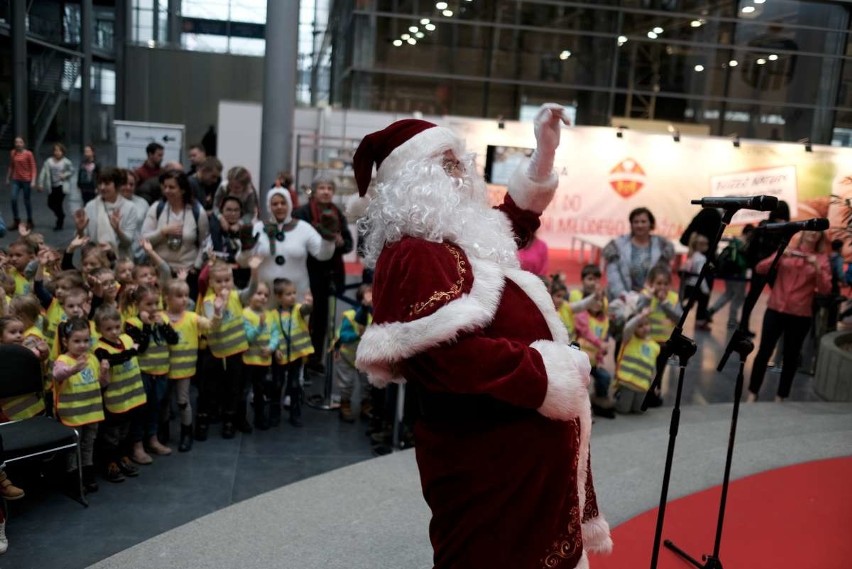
<point x="548" y="123"/>
<point x="254" y="262"/>
<point x="218" y="305"/>
<point x="145" y="317"/>
<point x="182" y="274"/>
<point x="146" y="246"/>
<point x="158" y="318"/>
<point x="23" y="230"/>
<point x="77" y="242"/>
<point x="115" y="219"/>
<point x="309" y="298"/>
<point x="81" y="220"/>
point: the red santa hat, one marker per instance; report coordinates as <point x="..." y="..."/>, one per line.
<point x="389" y="149"/>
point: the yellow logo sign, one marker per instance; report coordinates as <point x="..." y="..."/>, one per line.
<point x="627" y="178"/>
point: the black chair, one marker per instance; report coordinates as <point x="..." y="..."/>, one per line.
<point x="20" y="373"/>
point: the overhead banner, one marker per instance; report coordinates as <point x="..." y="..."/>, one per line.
<point x="602" y="177"/>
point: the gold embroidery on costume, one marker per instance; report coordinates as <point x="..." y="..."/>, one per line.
<point x="568" y="546"/>
<point x="445" y="296"/>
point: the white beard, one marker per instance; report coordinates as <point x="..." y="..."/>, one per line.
<point x="423" y="201"/>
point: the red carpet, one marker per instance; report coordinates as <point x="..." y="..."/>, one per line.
<point x="796" y="517"/>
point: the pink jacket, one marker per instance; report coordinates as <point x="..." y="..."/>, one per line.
<point x="798" y="281"/>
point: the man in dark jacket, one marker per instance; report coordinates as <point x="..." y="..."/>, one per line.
<point x="327" y="277"/>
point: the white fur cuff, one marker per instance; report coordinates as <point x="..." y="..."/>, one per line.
<point x="528" y="194"/>
<point x="568" y="372"/>
<point x="596" y="536"/>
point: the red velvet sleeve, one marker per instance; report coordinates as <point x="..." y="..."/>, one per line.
<point x="477" y="364"/>
<point x="524" y="222"/>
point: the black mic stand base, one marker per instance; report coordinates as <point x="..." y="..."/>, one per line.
<point x="710" y="562"/>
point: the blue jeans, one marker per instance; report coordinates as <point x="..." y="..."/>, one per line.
<point x="602" y="380"/>
<point x="19" y="186"/>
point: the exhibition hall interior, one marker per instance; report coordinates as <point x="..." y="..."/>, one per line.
<point x="225" y="341"/>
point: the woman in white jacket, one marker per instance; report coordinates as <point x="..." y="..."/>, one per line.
<point x="55" y="175"/>
<point x="285" y="243"/>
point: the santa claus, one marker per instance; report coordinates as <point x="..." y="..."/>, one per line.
<point x="502" y="444"/>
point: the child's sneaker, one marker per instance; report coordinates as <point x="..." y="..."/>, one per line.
<point x="127" y="468"/>
<point x="113" y="473"/>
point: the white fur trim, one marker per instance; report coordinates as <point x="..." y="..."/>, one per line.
<point x="383" y="345"/>
<point x="583" y="563"/>
<point x="356" y="207"/>
<point x="568" y="371"/>
<point x="434" y="140"/>
<point x="528" y="194"/>
<point x="596" y="536"/>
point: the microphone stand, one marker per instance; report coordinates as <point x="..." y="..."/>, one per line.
<point x="684" y="348"/>
<point x="742" y="345"/>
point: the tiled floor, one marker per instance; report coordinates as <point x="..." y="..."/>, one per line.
<point x="49" y="530"/>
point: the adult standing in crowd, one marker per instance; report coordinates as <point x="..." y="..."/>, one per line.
<point x="327" y="277"/>
<point x="177" y="227"/>
<point x="110" y="219"/>
<point x="87" y="176"/>
<point x="128" y="192"/>
<point x="760" y="245"/>
<point x="238" y="184"/>
<point x="56" y="174"/>
<point x="630" y="257"/>
<point x="21" y="176"/>
<point x="286" y="243"/>
<point x="803" y="272"/>
<point x="503" y="437"/>
<point x="152" y="167"/>
<point x="197" y="156"/>
<point x="205" y="182"/>
<point x="226" y="245"/>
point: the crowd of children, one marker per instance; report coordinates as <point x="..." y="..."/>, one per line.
<point x="638" y="323"/>
<point x="121" y="343"/>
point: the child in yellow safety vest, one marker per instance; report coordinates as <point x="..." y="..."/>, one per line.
<point x="636" y="365"/>
<point x="352" y="327"/>
<point x="664" y="304"/>
<point x="22" y="265"/>
<point x="565" y="306"/>
<point x="294" y="347"/>
<point x="52" y="301"/>
<point x="183" y="360"/>
<point x="150" y="328"/>
<point x="78" y="378"/>
<point x="28" y="310"/>
<point x="263" y="335"/>
<point x="124" y="396"/>
<point x="592" y="330"/>
<point x="224" y="382"/>
<point x="21" y="406"/>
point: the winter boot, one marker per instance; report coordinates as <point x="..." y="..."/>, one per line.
<point x="90" y="484"/>
<point x="139" y="456"/>
<point x="229" y="429"/>
<point x="155" y="446"/>
<point x="9" y="491"/>
<point x="261" y="421"/>
<point x="202" y="425"/>
<point x="127" y="467"/>
<point x="185" y="438"/>
<point x="346" y="411"/>
<point x="296" y="408"/>
<point x="163" y="434"/>
<point x="112" y="473"/>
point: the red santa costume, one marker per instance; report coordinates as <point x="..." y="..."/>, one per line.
<point x="503" y="441"/>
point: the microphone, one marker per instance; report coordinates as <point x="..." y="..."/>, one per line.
<point x="757" y="203"/>
<point x="815" y="224"/>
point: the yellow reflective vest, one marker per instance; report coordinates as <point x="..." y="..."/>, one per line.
<point x="661" y="326"/>
<point x="229" y="337"/>
<point x="637" y="363"/>
<point x="183" y="356"/>
<point x="599" y="328"/>
<point x="125" y="390"/>
<point x="78" y="398"/>
<point x="23" y="285"/>
<point x="253" y="355"/>
<point x="155" y="360"/>
<point x="567" y="317"/>
<point x="35" y="332"/>
<point x="295" y="338"/>
<point x="348" y="350"/>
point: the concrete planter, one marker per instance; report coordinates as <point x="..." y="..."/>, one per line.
<point x="833" y="377"/>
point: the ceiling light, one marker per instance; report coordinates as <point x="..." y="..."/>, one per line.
<point x="564" y="55"/>
<point x="413" y="29"/>
<point x="652" y="35"/>
<point x="447" y="13"/>
<point x="759" y="1"/>
<point x="405" y="36"/>
<point x="419" y="35"/>
<point x="430" y="27"/>
<point x="733" y="63"/>
<point x="411" y="41"/>
<point x="773" y="57"/>
<point x="658" y="30"/>
<point x="424" y="21"/>
<point x="695" y="23"/>
<point x="397" y="43"/>
<point x="622" y="40"/>
<point x="441" y="6"/>
<point x="761" y="61"/>
<point x="748" y="9"/>
<point x="699" y="68"/>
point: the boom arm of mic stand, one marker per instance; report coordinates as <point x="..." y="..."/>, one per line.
<point x="678" y="344"/>
<point x="736" y="342"/>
